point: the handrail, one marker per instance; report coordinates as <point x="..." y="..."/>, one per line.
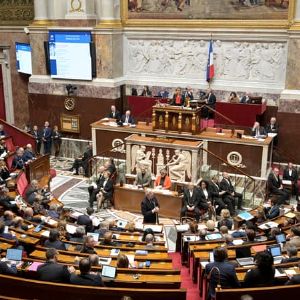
<point x="224" y="161"/>
<point x="213" y="110"/>
<point x="290" y="158"/>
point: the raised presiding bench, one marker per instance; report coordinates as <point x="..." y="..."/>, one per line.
<point x="33" y="289"/>
<point x="129" y="197"/>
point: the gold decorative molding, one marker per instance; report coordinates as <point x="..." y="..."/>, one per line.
<point x="209" y="23"/>
<point x="109" y="24"/>
<point x="16" y="12"/>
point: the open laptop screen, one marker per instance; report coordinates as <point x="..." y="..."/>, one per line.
<point x="14" y="254"/>
<point x="275" y="250"/>
<point x="108" y="271"/>
<point x="280" y="238"/>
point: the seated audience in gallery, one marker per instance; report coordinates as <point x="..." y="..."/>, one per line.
<point x="52" y="271"/>
<point x="146" y="91"/>
<point x="233" y="98"/>
<point x="143" y="178"/>
<point x="263" y="274"/>
<point x="3" y="149"/>
<point x="178" y="98"/>
<point x="18" y="162"/>
<point x="86" y="277"/>
<point x="245" y="98"/>
<point x="191" y="199"/>
<point x="114" y="113"/>
<point x="273" y="127"/>
<point x="53" y="241"/>
<point x="291" y="173"/>
<point x="2" y="132"/>
<point x="273" y="211"/>
<point x="83" y="162"/>
<point x="220" y="271"/>
<point x="257" y="130"/>
<point x="163" y="181"/>
<point x="127" y="118"/>
<point x="276" y="188"/>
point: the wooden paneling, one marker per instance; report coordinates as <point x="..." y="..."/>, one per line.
<point x="50" y="107"/>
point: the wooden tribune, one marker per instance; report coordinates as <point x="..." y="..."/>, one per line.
<point x="174" y="118"/>
<point x="38" y="168"/>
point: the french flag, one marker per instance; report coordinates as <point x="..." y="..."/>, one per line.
<point x="210" y="71"/>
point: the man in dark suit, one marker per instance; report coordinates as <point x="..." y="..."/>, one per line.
<point x="258" y="130"/>
<point x="143" y="178"/>
<point x="273" y="211"/>
<point x="83" y="161"/>
<point x="28" y="154"/>
<point x="178" y="98"/>
<point x="290" y="173"/>
<point x="106" y="191"/>
<point x="245" y="98"/>
<point x="8" y="270"/>
<point x="227" y="186"/>
<point x="47" y="134"/>
<point x="128" y="118"/>
<point x="150" y="207"/>
<point x="52" y="271"/>
<point x="7" y="201"/>
<point x="114" y="113"/>
<point x="219" y="198"/>
<point x="37" y="134"/>
<point x="273" y="127"/>
<point x="190" y="201"/>
<point x="210" y="100"/>
<point x="95" y="189"/>
<point x="276" y="188"/>
<point x="188" y="93"/>
<point x="220" y="272"/>
<point x="86" y="220"/>
<point x="53" y="241"/>
<point x="86" y="277"/>
<point x="18" y="161"/>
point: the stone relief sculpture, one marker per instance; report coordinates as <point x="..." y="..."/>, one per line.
<point x="139" y="158"/>
<point x="234" y="61"/>
<point x="180" y="165"/>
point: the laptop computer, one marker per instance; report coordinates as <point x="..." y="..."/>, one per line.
<point x="280" y="238"/>
<point x="109" y="272"/>
<point x="275" y="251"/>
<point x="243" y="256"/>
<point x="13" y="256"/>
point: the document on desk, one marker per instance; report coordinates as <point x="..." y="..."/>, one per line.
<point x="71" y="228"/>
<point x="268" y="225"/>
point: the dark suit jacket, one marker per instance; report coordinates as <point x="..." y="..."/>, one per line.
<point x="87" y="222"/>
<point x="108" y="188"/>
<point x="211" y="100"/>
<point x="228" y="277"/>
<point x="261" y="131"/>
<point x="130" y="119"/>
<point x="47" y="133"/>
<point x="214" y="190"/>
<point x="37" y="135"/>
<point x="6" y="270"/>
<point x="54" y="272"/>
<point x="116" y="116"/>
<point x="18" y="162"/>
<point x="275" y="128"/>
<point x="87" y="279"/>
<point x="56" y="245"/>
<point x="256" y="278"/>
<point x="273" y="212"/>
<point x="293" y="177"/>
<point x="30" y="194"/>
<point x="191" y="201"/>
<point x="226" y="186"/>
<point x="245" y="99"/>
<point x="294" y="280"/>
<point x="28" y="155"/>
<point x="146" y="208"/>
<point x="274" y="183"/>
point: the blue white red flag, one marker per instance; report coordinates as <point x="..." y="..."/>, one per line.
<point x="210" y="71"/>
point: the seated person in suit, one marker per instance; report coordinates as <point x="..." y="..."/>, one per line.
<point x="273" y="127"/>
<point x="3" y="149"/>
<point x="233" y="98"/>
<point x="150" y="207"/>
<point x="205" y="197"/>
<point x="146" y="91"/>
<point x="53" y="241"/>
<point x="2" y="132"/>
<point x="106" y="191"/>
<point x="263" y="274"/>
<point x="78" y="236"/>
<point x="28" y="154"/>
<point x="258" y="130"/>
<point x="114" y="113"/>
<point x="178" y="99"/>
<point x="292" y="254"/>
<point x="83" y="161"/>
<point x="294" y="236"/>
<point x="8" y="269"/>
<point x="273" y="211"/>
<point x="163" y="181"/>
<point x="85" y="220"/>
<point x="7" y="218"/>
<point x="108" y="239"/>
<point x="143" y="178"/>
<point x="122" y="261"/>
<point x="18" y="161"/>
<point x="6" y="235"/>
<point x="28" y="215"/>
<point x="246" y="98"/>
<point x="190" y="201"/>
<point x="220" y="270"/>
<point x="128" y="118"/>
<point x="275" y="187"/>
<point x="227" y="186"/>
<point x="294" y="279"/>
<point x="86" y="277"/>
<point x="225" y="220"/>
<point x="88" y="245"/>
<point x="52" y="271"/>
<point x="6" y="201"/>
<point x="291" y="173"/>
<point x="33" y="193"/>
<point x="94" y="189"/>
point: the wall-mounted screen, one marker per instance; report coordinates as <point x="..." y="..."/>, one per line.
<point x="23" y="58"/>
<point x="70" y="55"/>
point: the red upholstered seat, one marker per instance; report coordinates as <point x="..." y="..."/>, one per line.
<point x="9" y="161"/>
<point x="22" y="184"/>
<point x="52" y="173"/>
<point x="9" y="144"/>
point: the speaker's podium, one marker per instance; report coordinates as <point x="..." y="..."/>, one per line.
<point x="176" y="118"/>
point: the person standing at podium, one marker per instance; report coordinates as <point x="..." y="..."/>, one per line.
<point x="178" y="98"/>
<point x="150" y="208"/>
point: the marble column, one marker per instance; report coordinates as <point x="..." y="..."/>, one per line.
<point x="40" y="10"/>
<point x="108" y="13"/>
